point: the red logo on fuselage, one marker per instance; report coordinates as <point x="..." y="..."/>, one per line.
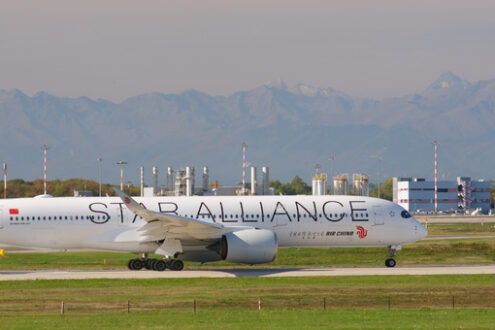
<point x="127" y="200"/>
<point x="361" y="232"/>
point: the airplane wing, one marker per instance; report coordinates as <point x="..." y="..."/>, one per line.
<point x="164" y="225"/>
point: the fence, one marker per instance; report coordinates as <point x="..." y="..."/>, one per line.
<point x="409" y="301"/>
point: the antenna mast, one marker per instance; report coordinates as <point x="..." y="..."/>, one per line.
<point x="45" y="148"/>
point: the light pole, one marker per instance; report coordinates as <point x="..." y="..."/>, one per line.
<point x="121" y="163"/>
<point x="99" y="159"/>
<point x="332" y="160"/>
<point x="4" y="180"/>
<point x="379" y="158"/>
<point x="244" y="146"/>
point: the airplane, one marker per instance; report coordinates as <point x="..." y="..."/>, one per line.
<point x="239" y="229"/>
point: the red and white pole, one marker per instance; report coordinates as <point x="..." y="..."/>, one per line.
<point x="45" y="148"/>
<point x="121" y="163"/>
<point x="244" y="146"/>
<point x="435" y="143"/>
<point x="5" y="180"/>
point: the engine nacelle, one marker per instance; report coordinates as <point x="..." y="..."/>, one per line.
<point x="249" y="246"/>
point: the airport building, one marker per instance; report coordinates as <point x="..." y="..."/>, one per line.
<point x="464" y="195"/>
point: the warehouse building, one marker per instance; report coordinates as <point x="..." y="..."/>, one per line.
<point x="464" y="195"/>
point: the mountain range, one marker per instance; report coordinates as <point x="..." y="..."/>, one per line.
<point x="289" y="129"/>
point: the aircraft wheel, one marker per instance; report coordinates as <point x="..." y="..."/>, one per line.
<point x="135" y="264"/>
<point x="148" y="264"/>
<point x="160" y="265"/>
<point x="152" y="264"/>
<point x="390" y="262"/>
<point x="177" y="264"/>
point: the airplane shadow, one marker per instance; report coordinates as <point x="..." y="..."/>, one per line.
<point x="258" y="272"/>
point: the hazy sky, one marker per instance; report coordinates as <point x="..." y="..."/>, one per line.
<point x="115" y="49"/>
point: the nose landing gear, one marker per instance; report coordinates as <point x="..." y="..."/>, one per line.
<point x="390" y="262"/>
<point x="392" y="250"/>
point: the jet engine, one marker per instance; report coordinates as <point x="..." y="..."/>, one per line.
<point x="249" y="246"/>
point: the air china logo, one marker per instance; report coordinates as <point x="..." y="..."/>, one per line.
<point x="361" y="232"/>
<point x="127" y="200"/>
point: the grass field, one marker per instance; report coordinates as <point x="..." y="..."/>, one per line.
<point x="428" y="252"/>
<point x="273" y="319"/>
<point x="461" y="228"/>
<point x="419" y="302"/>
<point x="353" y="302"/>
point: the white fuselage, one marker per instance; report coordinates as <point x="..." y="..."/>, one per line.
<point x="94" y="222"/>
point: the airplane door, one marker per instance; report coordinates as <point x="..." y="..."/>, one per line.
<point x="378" y="216"/>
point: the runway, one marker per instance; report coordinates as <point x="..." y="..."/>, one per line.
<point x="244" y="272"/>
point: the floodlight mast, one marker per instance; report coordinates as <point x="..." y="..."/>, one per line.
<point x="243" y="190"/>
<point x="121" y="163"/>
<point x="5" y="180"/>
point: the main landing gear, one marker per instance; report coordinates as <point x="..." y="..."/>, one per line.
<point x="155" y="264"/>
<point x="392" y="250"/>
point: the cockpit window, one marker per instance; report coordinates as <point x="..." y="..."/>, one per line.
<point x="405" y="214"/>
